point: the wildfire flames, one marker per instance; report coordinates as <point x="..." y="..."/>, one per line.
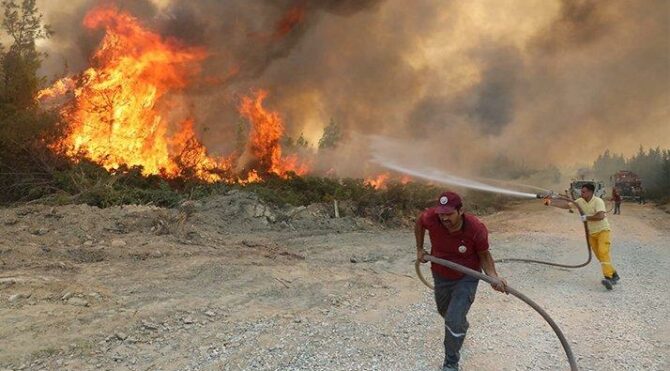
<point x="116" y="115"/>
<point x="380" y="181"/>
<point x="263" y="144"/>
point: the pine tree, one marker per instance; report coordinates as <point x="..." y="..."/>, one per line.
<point x="301" y="141"/>
<point x="19" y="83"/>
<point x="332" y="134"/>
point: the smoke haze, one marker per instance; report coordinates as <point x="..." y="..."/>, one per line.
<point x="539" y="81"/>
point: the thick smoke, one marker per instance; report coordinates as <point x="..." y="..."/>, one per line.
<point x="537" y="81"/>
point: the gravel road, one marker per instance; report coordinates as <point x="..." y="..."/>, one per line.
<point x="344" y="300"/>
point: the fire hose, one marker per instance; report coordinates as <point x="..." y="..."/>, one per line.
<point x="547" y="199"/>
<point x="514" y="292"/>
<point x="522" y="297"/>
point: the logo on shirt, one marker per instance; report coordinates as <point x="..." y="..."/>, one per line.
<point x="462" y="249"/>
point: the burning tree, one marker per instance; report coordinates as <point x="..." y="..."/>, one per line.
<point x="117" y="114"/>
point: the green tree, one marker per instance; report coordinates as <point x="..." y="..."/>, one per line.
<point x="607" y="164"/>
<point x="26" y="164"/>
<point x="332" y="134"/>
<point x="19" y="82"/>
<point x="301" y="141"/>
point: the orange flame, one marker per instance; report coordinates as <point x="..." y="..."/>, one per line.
<point x="378" y="181"/>
<point x="267" y="129"/>
<point x="59" y="88"/>
<point x="115" y="116"/>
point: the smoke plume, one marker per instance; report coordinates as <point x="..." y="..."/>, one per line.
<point x="538" y="81"/>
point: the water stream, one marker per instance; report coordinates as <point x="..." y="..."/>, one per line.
<point x="439" y="176"/>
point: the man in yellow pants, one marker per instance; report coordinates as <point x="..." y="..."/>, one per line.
<point x="599" y="231"/>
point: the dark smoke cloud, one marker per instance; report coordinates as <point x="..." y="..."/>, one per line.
<point x="537" y="81"/>
<point x="495" y="95"/>
<point x="580" y="22"/>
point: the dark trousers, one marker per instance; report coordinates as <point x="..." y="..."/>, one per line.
<point x="617" y="207"/>
<point x="453" y="299"/>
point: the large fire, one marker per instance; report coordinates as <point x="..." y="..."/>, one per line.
<point x="117" y="116"/>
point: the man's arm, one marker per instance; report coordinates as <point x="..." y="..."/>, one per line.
<point x="559" y="203"/>
<point x="600" y="215"/>
<point x="489" y="267"/>
<point x="419" y="233"/>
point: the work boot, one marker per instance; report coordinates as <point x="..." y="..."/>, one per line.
<point x="607" y="283"/>
<point x="615" y="278"/>
<point x="450" y="367"/>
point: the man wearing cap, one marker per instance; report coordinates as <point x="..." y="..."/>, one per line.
<point x="462" y="239"/>
<point x="595" y="216"/>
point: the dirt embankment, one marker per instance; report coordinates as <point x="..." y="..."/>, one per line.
<point x="232" y="283"/>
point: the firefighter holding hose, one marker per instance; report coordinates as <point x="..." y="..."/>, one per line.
<point x="599" y="230"/>
<point x="462" y="239"/>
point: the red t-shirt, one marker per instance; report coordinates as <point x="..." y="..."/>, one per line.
<point x="460" y="247"/>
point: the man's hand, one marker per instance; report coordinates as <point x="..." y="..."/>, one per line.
<point x="501" y="285"/>
<point x="420" y="253"/>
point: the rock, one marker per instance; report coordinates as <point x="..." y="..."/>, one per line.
<point x="16" y="297"/>
<point x="121" y="336"/>
<point x="149" y="325"/>
<point x="353" y="260"/>
<point x="296" y="211"/>
<point x="118" y="243"/>
<point x="95" y="296"/>
<point x="156" y="254"/>
<point x="209" y="313"/>
<point x="40" y="231"/>
<point x="79" y="302"/>
<point x="188" y="320"/>
<point x="88" y="243"/>
<point x="67" y="296"/>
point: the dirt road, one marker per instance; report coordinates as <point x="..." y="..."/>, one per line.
<point x="147" y="289"/>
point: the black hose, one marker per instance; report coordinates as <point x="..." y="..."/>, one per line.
<point x="588" y="248"/>
<point x="522" y="297"/>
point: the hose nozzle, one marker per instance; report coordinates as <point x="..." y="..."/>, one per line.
<point x="546" y="197"/>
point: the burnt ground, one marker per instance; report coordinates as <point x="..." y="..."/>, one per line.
<point x="230" y="283"/>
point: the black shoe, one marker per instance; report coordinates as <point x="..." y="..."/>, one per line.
<point x="450" y="367"/>
<point x="615" y="278"/>
<point x="607" y="283"/>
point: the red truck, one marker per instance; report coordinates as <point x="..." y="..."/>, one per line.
<point x="628" y="184"/>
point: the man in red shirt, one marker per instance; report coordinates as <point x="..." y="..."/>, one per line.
<point x="462" y="239"/>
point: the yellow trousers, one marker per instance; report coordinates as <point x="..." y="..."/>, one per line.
<point x="600" y="243"/>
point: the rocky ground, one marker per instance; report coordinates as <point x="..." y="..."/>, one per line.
<point x="229" y="283"/>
